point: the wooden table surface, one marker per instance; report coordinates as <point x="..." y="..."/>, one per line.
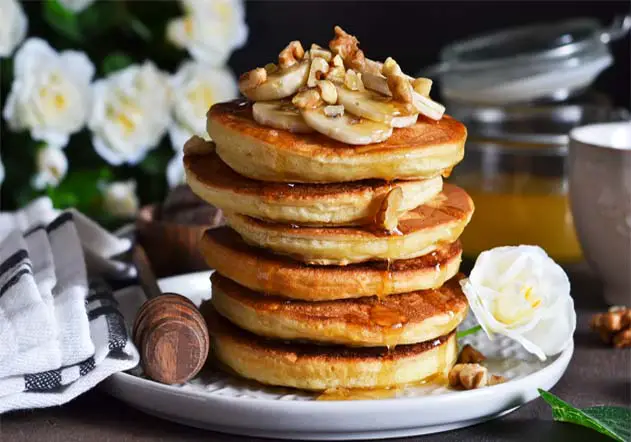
<point x="597" y="375"/>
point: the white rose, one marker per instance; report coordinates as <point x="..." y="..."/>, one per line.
<point x="520" y="292"/>
<point x="13" y="26"/>
<point x="197" y="87"/>
<point x="175" y="169"/>
<point x="52" y="165"/>
<point x="1" y="172"/>
<point x="120" y="200"/>
<point x="50" y="94"/>
<point x="131" y="113"/>
<point x="210" y="30"/>
<point x="76" y="5"/>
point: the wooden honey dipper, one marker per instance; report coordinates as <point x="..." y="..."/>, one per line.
<point x="169" y="331"/>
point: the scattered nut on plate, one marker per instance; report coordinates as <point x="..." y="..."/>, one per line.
<point x="614" y="326"/>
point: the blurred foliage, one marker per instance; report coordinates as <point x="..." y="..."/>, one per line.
<point x="113" y="34"/>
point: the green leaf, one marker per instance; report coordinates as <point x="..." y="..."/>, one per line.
<point x="62" y="20"/>
<point x="470" y="331"/>
<point x="614" y="422"/>
<point x="140" y="28"/>
<point x="115" y="62"/>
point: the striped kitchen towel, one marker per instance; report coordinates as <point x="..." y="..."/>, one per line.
<point x="59" y="336"/>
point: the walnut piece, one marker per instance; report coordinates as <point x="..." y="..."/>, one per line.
<point x="614" y="326"/>
<point x="468" y="376"/>
<point x="328" y="91"/>
<point x="343" y="43"/>
<point x="318" y="51"/>
<point x="308" y="99"/>
<point x="469" y="355"/>
<point x="336" y="74"/>
<point x="319" y="67"/>
<point x="496" y="379"/>
<point x="252" y="79"/>
<point x="400" y="88"/>
<point x="422" y="86"/>
<point x="387" y="217"/>
<point x="353" y="81"/>
<point x="334" y="111"/>
<point x="291" y="55"/>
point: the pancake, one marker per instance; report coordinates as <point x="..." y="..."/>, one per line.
<point x="306" y="204"/>
<point x="421" y="230"/>
<point x="318" y="367"/>
<point x="264" y="271"/>
<point x="423" y="150"/>
<point x="407" y="318"/>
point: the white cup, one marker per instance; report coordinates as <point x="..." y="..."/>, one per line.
<point x="600" y="196"/>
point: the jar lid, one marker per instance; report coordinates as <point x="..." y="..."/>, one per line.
<point x="527" y="63"/>
<point x="531" y="126"/>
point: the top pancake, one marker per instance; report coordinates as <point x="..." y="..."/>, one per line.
<point x="424" y="150"/>
<point x="348" y="203"/>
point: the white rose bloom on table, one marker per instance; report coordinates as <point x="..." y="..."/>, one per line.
<point x="210" y="30"/>
<point x="50" y="94"/>
<point x="76" y="5"/>
<point x="120" y="200"/>
<point x="131" y="113"/>
<point x="520" y="292"/>
<point x="13" y="26"/>
<point x="197" y="86"/>
<point x="51" y="164"/>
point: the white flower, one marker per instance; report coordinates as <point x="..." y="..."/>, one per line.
<point x="13" y="26"/>
<point x="50" y="94"/>
<point x="76" y="5"/>
<point x="1" y="172"/>
<point x="120" y="200"/>
<point x="131" y="113"/>
<point x="52" y="165"/>
<point x="175" y="169"/>
<point x="210" y="29"/>
<point x="197" y="87"/>
<point x="520" y="292"/>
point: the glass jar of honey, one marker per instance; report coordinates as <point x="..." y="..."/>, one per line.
<point x="515" y="171"/>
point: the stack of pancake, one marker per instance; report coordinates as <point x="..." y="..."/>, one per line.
<point x="309" y="291"/>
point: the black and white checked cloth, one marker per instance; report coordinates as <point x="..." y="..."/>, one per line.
<point x="59" y="335"/>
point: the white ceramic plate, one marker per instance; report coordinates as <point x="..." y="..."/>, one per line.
<point x="219" y="402"/>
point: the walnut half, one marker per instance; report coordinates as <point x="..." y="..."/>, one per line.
<point x="291" y="55"/>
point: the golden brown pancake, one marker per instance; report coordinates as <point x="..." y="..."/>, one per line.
<point x="423" y="150"/>
<point x="267" y="272"/>
<point x="407" y="318"/>
<point x="319" y="367"/>
<point x="305" y="204"/>
<point x="442" y="220"/>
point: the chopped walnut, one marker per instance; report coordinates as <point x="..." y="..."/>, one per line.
<point x="328" y="91"/>
<point x="291" y="55"/>
<point x="307" y="99"/>
<point x="390" y="68"/>
<point x="336" y="74"/>
<point x="353" y="81"/>
<point x="319" y="67"/>
<point x="387" y="217"/>
<point x="422" y="86"/>
<point x="334" y="111"/>
<point x="318" y="51"/>
<point x="337" y="61"/>
<point x="469" y="355"/>
<point x="343" y="43"/>
<point x="400" y="88"/>
<point x="468" y="376"/>
<point x="614" y="326"/>
<point x="270" y="68"/>
<point x="495" y="379"/>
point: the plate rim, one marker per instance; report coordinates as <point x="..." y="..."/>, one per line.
<point x="560" y="363"/>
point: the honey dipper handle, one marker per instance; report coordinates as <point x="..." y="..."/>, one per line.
<point x="146" y="277"/>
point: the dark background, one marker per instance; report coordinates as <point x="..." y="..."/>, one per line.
<point x="413" y="32"/>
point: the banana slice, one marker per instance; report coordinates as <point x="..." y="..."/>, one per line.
<point x="280" y="115"/>
<point x="280" y="84"/>
<point x="376" y="107"/>
<point x="423" y="104"/>
<point x="347" y="128"/>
